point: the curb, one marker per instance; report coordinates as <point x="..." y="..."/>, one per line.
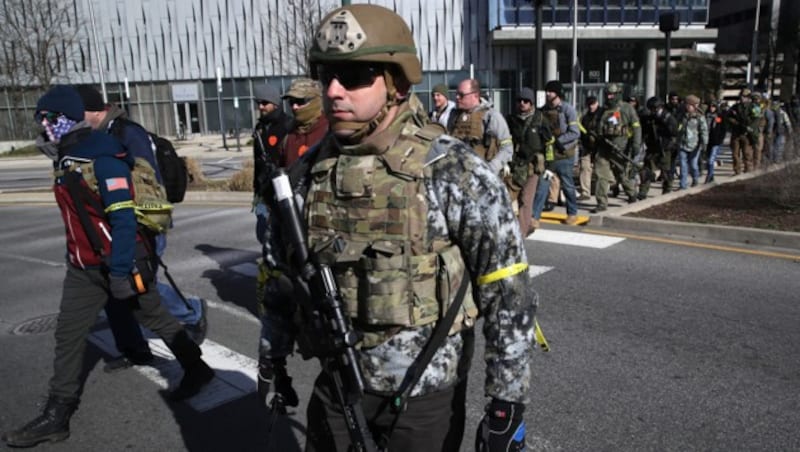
<point x="731" y="234"/>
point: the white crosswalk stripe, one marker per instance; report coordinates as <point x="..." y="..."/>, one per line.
<point x="574" y="238"/>
<point x="235" y="373"/>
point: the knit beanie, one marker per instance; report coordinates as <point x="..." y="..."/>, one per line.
<point x="554" y="86"/>
<point x="62" y="99"/>
<point x="441" y="88"/>
<point x="92" y="99"/>
<point x="267" y="93"/>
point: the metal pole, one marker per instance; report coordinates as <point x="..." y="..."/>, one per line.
<point x="667" y="57"/>
<point x="97" y="52"/>
<point x="539" y="47"/>
<point x="754" y="49"/>
<point x="235" y="101"/>
<point x="575" y="55"/>
<point x="219" y="104"/>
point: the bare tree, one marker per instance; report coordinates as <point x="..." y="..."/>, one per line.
<point x="297" y="21"/>
<point x="37" y="42"/>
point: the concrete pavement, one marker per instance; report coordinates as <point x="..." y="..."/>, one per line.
<point x="211" y="146"/>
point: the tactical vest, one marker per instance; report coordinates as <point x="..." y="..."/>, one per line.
<point x="367" y="219"/>
<point x="611" y="124"/>
<point x="470" y="128"/>
<point x="551" y="115"/>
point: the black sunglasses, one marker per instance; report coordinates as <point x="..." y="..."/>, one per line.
<point x="50" y="116"/>
<point x="263" y="102"/>
<point x="350" y="76"/>
<point x="298" y="100"/>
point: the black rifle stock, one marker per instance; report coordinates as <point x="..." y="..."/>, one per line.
<point x="617" y="151"/>
<point x="322" y="305"/>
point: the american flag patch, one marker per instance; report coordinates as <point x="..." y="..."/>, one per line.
<point x="116" y="183"/>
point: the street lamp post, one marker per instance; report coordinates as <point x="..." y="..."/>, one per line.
<point x="219" y="104"/>
<point x="754" y="49"/>
<point x="667" y="23"/>
<point x="235" y="101"/>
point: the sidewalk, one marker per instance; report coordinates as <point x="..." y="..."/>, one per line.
<point x="615" y="217"/>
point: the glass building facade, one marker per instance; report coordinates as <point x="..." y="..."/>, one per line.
<point x="514" y="13"/>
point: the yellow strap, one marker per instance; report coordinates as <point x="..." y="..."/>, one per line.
<point x="120" y="205"/>
<point x="582" y="129"/>
<point x="506" y="141"/>
<point x="636" y="124"/>
<point x="538" y="336"/>
<point x="502" y="273"/>
<point x="572" y="123"/>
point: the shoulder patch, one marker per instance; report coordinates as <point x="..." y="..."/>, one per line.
<point x="439" y="148"/>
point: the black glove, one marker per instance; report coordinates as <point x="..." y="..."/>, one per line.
<point x="274" y="385"/>
<point x="120" y="287"/>
<point x="502" y="428"/>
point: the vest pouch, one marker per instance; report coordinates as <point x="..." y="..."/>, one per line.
<point x="354" y="175"/>
<point x="451" y="272"/>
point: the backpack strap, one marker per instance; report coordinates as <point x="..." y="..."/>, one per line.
<point x="80" y="198"/>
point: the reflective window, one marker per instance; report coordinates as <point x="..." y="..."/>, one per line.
<point x="598" y="12"/>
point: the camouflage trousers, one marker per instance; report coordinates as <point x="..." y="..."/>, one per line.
<point x="608" y="169"/>
<point x="742" y="151"/>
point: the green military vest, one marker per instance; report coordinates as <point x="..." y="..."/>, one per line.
<point x="367" y="219"/>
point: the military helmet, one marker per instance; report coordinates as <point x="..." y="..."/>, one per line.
<point x="369" y="33"/>
<point x="613" y="88"/>
<point x="654" y="103"/>
<point x="745" y="92"/>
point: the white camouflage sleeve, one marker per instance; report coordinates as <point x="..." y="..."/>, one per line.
<point x="476" y="214"/>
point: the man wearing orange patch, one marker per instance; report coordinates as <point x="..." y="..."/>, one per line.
<point x="268" y="134"/>
<point x="310" y="125"/>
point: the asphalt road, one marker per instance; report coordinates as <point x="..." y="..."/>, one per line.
<point x="655" y="345"/>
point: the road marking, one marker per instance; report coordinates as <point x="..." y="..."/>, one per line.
<point x="34" y="260"/>
<point x="235" y="373"/>
<point x="537" y="270"/>
<point x="707" y="246"/>
<point x="235" y="311"/>
<point x="574" y="238"/>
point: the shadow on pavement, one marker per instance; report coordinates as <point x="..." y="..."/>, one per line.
<point x="235" y="279"/>
<point x="241" y="425"/>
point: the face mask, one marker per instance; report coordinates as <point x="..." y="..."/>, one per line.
<point x="58" y="128"/>
<point x="309" y="112"/>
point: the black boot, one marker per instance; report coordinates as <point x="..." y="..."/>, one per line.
<point x="196" y="372"/>
<point x="52" y="425"/>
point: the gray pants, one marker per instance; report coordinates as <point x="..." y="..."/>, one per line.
<point x="84" y="294"/>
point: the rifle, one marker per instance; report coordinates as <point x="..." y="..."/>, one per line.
<point x="617" y="151"/>
<point x="322" y="305"/>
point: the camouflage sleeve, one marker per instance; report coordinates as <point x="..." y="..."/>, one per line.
<point x="475" y="213"/>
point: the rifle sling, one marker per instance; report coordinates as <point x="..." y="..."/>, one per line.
<point x="417" y="368"/>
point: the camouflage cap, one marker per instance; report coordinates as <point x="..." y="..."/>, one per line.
<point x="691" y="99"/>
<point x="613" y="88"/>
<point x="303" y="88"/>
<point x="745" y="92"/>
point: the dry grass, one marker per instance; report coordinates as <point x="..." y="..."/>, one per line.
<point x="243" y="180"/>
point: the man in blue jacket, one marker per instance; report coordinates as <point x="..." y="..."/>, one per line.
<point x="107" y="261"/>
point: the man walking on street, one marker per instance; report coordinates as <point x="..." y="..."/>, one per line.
<point x="385" y="198"/>
<point x="97" y="209"/>
<point x="477" y="123"/>
<point x="618" y="125"/>
<point x="560" y="149"/>
<point x="693" y="138"/>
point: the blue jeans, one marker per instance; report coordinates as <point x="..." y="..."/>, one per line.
<point x="689" y="159"/>
<point x="170" y="299"/>
<point x="712" y="161"/>
<point x="563" y="168"/>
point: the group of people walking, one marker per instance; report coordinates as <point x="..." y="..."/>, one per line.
<point x="419" y="217"/>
